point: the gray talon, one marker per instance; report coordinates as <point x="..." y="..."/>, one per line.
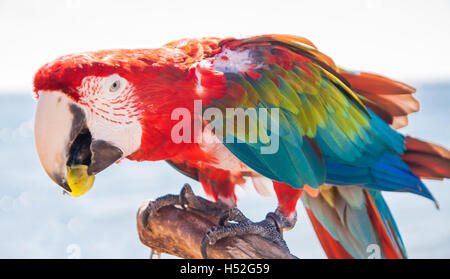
<point x="271" y="228"/>
<point x="232" y="214"/>
<point x="186" y="199"/>
<point x="167" y="200"/>
<point x="288" y="223"/>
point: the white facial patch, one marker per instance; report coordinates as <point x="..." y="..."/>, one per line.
<point x="111" y="112"/>
<point x="126" y="136"/>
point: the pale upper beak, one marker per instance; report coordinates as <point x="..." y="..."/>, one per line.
<point x="63" y="140"/>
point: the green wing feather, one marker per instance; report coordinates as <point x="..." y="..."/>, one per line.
<point x="320" y="118"/>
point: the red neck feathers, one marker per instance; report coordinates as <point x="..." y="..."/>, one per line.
<point x="172" y="86"/>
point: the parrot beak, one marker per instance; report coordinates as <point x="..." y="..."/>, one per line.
<point x="66" y="149"/>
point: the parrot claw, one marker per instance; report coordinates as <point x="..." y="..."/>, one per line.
<point x="190" y="200"/>
<point x="186" y="199"/>
<point x="167" y="200"/>
<point x="270" y="228"/>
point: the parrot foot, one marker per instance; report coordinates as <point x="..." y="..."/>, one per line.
<point x="270" y="228"/>
<point x="186" y="199"/>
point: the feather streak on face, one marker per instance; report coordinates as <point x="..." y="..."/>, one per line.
<point x="111" y="112"/>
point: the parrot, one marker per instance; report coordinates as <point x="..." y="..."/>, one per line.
<point x="325" y="135"/>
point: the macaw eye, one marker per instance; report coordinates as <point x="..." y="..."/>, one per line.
<point x="114" y="86"/>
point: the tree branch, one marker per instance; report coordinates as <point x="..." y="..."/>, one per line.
<point x="179" y="232"/>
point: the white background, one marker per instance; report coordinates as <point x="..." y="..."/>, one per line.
<point x="401" y="39"/>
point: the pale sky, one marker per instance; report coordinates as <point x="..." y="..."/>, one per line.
<point x="406" y="40"/>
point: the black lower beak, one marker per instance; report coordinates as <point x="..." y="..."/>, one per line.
<point x="96" y="154"/>
<point x="103" y="155"/>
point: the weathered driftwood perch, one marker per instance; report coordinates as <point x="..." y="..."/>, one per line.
<point x="179" y="232"/>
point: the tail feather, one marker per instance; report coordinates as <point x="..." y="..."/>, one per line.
<point x="392" y="101"/>
<point x="345" y="221"/>
<point x="331" y="246"/>
<point x="427" y="160"/>
<point x="359" y="227"/>
<point x="389" y="99"/>
<point x="386" y="226"/>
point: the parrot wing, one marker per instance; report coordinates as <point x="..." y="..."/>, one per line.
<point x="325" y="132"/>
<point x="427" y="160"/>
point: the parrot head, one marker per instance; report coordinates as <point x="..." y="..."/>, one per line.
<point x="99" y="107"/>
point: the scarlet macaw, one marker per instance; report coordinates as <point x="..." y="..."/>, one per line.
<point x="337" y="143"/>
